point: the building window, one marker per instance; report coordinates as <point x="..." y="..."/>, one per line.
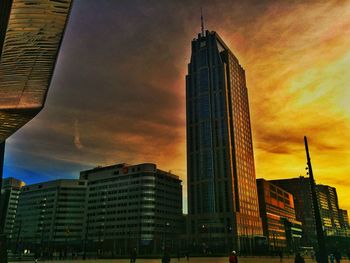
<point x="204" y="80"/>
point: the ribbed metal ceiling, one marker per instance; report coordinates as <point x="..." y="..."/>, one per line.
<point x="28" y="57"/>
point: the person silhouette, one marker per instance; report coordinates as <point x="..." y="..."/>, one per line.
<point x="133" y="256"/>
<point x="299" y="258"/>
<point x="337" y="256"/>
<point x="233" y="257"/>
<point x="166" y="258"/>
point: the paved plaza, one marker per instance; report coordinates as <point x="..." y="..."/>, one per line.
<point x="192" y="260"/>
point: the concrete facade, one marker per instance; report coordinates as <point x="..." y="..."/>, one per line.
<point x="132" y="207"/>
<point x="51" y="216"/>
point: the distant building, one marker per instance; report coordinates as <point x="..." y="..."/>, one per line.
<point x="329" y="208"/>
<point x="344" y="221"/>
<point x="301" y="191"/>
<point x="278" y="217"/>
<point x="132" y="206"/>
<point x="223" y="208"/>
<point x="328" y="205"/>
<point x="51" y="214"/>
<point x="10" y="192"/>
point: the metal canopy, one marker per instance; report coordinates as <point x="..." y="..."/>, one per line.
<point x="31" y="42"/>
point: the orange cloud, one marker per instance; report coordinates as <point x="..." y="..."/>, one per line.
<point x="297" y="65"/>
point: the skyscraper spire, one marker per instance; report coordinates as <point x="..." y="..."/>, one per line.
<point x="202" y="22"/>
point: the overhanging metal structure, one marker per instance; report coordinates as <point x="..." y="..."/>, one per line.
<point x="31" y="35"/>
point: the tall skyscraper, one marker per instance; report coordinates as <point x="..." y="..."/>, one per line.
<point x="223" y="202"/>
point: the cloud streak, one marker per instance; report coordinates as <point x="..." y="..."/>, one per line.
<point x="77" y="141"/>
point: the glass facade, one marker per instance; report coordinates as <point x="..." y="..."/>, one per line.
<point x="277" y="211"/>
<point x="301" y="191"/>
<point x="30" y="37"/>
<point x="328" y="204"/>
<point x="221" y="175"/>
<point x="329" y="208"/>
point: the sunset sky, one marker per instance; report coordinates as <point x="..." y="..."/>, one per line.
<point x="118" y="92"/>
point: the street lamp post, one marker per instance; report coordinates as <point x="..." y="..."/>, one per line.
<point x="86" y="237"/>
<point x="252" y="240"/>
<point x="204" y="244"/>
<point x="167" y="225"/>
<point x="228" y="240"/>
<point x="43" y="210"/>
<point x="322" y="250"/>
<point x="18" y="235"/>
<point x="66" y="232"/>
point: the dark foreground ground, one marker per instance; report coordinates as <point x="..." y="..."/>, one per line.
<point x="193" y="260"/>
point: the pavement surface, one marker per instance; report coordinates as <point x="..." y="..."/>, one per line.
<point x="192" y="260"/>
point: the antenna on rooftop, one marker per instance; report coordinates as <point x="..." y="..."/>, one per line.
<point x="202" y="22"/>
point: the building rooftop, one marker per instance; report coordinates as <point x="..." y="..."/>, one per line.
<point x="55" y="183"/>
<point x="130" y="168"/>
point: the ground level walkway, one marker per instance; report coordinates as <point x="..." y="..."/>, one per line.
<point x="192" y="260"/>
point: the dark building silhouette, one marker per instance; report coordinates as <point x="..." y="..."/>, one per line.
<point x="277" y="212"/>
<point x="222" y="195"/>
<point x="301" y="191"/>
<point x="332" y="222"/>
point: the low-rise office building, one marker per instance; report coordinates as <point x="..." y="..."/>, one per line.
<point x="51" y="215"/>
<point x="132" y="207"/>
<point x="277" y="212"/>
